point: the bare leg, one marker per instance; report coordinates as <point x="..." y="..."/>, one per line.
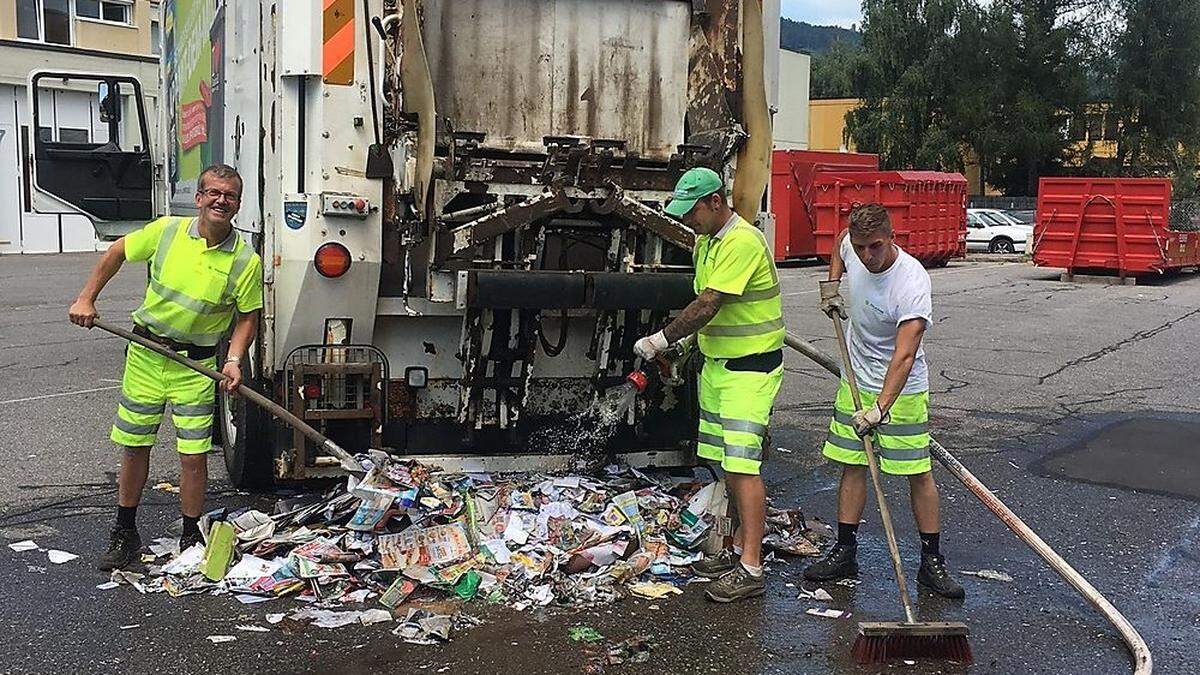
<point x="193" y="476"/>
<point x="750" y="495"/>
<point x="924" y="494"/>
<point x="135" y="468"/>
<point x="852" y="494"/>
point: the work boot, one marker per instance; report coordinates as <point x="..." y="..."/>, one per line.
<point x="839" y="563"/>
<point x="934" y="576"/>
<point x="186" y="541"/>
<point x="737" y="584"/>
<point x="123" y="546"/>
<point x="715" y="566"/>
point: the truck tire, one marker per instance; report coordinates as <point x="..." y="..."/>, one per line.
<point x="246" y="439"/>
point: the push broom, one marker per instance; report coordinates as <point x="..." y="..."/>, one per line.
<point x="882" y="641"/>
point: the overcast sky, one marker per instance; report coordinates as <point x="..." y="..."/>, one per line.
<point x="824" y="12"/>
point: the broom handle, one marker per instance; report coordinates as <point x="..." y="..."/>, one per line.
<point x="1143" y="662"/>
<point x="873" y="465"/>
<point x="348" y="461"/>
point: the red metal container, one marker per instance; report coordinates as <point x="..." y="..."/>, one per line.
<point x="1110" y="225"/>
<point x="928" y="209"/>
<point x="792" y="174"/>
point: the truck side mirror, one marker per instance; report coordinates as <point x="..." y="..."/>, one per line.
<point x="110" y="102"/>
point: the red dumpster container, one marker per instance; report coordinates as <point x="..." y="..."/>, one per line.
<point x="928" y="209"/>
<point x="792" y="174"/>
<point x="1112" y="225"/>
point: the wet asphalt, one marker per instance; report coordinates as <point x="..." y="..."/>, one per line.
<point x="1076" y="403"/>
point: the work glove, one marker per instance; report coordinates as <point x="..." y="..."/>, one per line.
<point x="865" y="421"/>
<point x="649" y="346"/>
<point x="831" y="299"/>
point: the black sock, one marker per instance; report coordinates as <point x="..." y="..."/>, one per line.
<point x="127" y="517"/>
<point x="848" y="534"/>
<point x="191" y="525"/>
<point x="929" y="542"/>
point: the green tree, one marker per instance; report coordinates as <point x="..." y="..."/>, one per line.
<point x="1156" y="89"/>
<point x="905" y="78"/>
<point x="833" y="73"/>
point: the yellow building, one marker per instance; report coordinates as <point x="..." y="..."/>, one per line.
<point x="827" y="124"/>
<point x="91" y="36"/>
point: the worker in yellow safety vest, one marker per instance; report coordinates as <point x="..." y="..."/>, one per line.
<point x="738" y="319"/>
<point x="202" y="277"/>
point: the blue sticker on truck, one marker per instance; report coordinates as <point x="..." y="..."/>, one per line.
<point x="294" y="214"/>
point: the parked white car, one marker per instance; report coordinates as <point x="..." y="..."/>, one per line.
<point x="994" y="231"/>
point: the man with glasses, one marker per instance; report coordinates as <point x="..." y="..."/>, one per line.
<point x="203" y="279"/>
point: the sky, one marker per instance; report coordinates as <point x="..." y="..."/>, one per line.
<point x="823" y="12"/>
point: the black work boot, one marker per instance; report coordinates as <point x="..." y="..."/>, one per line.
<point x="189" y="539"/>
<point x="839" y="563"/>
<point x="934" y="576"/>
<point x="715" y="566"/>
<point x="123" y="546"/>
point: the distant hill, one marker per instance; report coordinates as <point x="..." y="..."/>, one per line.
<point x="798" y="36"/>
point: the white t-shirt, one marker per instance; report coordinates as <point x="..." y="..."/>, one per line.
<point x="877" y="304"/>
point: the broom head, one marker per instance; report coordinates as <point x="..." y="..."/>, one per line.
<point x="883" y="641"/>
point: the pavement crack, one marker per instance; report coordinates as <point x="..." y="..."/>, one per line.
<point x="1109" y="349"/>
<point x="955" y="384"/>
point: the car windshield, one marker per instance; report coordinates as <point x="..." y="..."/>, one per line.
<point x="993" y="218"/>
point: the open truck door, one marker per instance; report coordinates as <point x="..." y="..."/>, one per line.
<point x="112" y="183"/>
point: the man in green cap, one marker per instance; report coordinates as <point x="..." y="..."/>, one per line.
<point x="738" y="319"/>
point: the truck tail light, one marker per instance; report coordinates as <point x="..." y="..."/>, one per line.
<point x="332" y="260"/>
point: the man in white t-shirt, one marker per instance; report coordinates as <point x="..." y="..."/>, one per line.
<point x="888" y="305"/>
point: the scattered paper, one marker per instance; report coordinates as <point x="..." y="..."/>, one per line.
<point x="59" y="557"/>
<point x="654" y="590"/>
<point x="131" y="626"/>
<point x="27" y="545"/>
<point x="251" y="628"/>
<point x="515" y="532"/>
<point x="370" y="617"/>
<point x="819" y="594"/>
<point x="218" y="639"/>
<point x="828" y="613"/>
<point x="991" y="575"/>
<point x="107" y="586"/>
<point x="275" y="618"/>
<point x="248" y="599"/>
<point x="186" y="563"/>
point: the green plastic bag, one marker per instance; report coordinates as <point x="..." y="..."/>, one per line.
<point x="218" y="554"/>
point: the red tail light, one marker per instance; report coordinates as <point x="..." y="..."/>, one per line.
<point x="311" y="391"/>
<point x="332" y="260"/>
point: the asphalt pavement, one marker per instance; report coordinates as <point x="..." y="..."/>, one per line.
<point x="1076" y="403"/>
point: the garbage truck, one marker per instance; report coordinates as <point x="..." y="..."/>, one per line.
<point x="457" y="203"/>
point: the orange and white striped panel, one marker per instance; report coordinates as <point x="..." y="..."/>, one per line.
<point x="337" y="55"/>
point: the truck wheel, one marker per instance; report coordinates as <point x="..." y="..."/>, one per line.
<point x="1002" y="245"/>
<point x="245" y="439"/>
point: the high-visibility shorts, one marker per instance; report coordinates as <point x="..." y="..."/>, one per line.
<point x="735" y="408"/>
<point x="901" y="445"/>
<point x="149" y="382"/>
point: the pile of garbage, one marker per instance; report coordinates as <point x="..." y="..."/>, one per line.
<point x="524" y="541"/>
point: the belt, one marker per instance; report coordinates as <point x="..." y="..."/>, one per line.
<point x="192" y="351"/>
<point x="756" y="363"/>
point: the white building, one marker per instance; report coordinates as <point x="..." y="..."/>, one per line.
<point x="95" y="36"/>
<point x="791" y="119"/>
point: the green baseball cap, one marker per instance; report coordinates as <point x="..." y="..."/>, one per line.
<point x="694" y="185"/>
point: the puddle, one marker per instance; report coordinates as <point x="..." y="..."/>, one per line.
<point x="1147" y="454"/>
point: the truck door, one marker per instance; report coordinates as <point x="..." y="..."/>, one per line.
<point x="112" y="183"/>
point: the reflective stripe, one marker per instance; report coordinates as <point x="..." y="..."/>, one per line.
<point x="743" y="330"/>
<point x="744" y="452"/>
<point x="166" y="330"/>
<point x="755" y="296"/>
<point x="193" y="434"/>
<point x="903" y="455"/>
<point x="193" y="410"/>
<point x="710" y="439"/>
<point x="886" y="429"/>
<point x="746" y="426"/>
<point x="186" y="301"/>
<point x="135" y="429"/>
<point x="243" y="254"/>
<point x="845" y="443"/>
<point x="710" y="417"/>
<point x="141" y="408"/>
<point x="164" y="244"/>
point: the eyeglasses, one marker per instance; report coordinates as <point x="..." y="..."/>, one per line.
<point x="214" y="193"/>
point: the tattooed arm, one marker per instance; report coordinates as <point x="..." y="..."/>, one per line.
<point x="695" y="316"/>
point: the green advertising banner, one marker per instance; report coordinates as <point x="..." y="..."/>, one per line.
<point x="192" y="74"/>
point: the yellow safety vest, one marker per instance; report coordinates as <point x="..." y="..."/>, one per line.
<point x="739" y="264"/>
<point x="193" y="288"/>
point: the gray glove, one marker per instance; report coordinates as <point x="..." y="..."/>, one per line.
<point x="831" y="299"/>
<point x="866" y="421"/>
